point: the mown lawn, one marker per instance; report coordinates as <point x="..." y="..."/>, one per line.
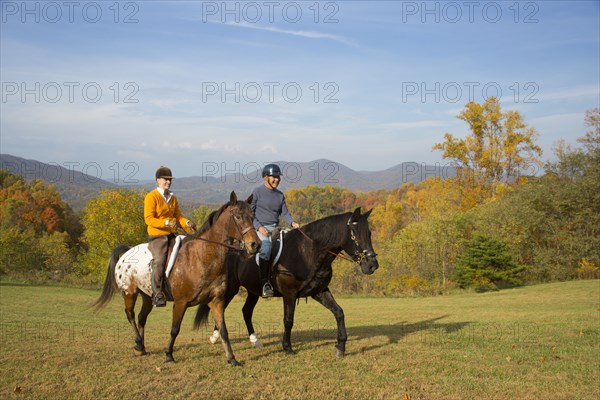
<point x="535" y="342"/>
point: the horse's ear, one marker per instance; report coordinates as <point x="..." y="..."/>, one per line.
<point x="233" y="198"/>
<point x="355" y="215"/>
<point x="249" y="200"/>
<point x="366" y="215"/>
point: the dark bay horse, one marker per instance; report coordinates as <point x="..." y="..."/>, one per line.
<point x="304" y="269"/>
<point x="197" y="277"/>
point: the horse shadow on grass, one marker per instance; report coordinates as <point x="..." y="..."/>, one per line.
<point x="366" y="338"/>
<point x="361" y="339"/>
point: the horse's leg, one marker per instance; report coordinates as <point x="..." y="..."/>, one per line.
<point x="289" y="307"/>
<point x="232" y="290"/>
<point x="142" y="318"/>
<point x="217" y="307"/>
<point x="179" y="308"/>
<point x="327" y="300"/>
<point x="248" y="310"/>
<point x="214" y="337"/>
<point x="130" y="299"/>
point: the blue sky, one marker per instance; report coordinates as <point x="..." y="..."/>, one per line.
<point x="109" y="87"/>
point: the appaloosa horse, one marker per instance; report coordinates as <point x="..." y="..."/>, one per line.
<point x="197" y="277"/>
<point x="303" y="269"/>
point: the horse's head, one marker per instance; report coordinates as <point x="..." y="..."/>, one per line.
<point x="240" y="227"/>
<point x="359" y="245"/>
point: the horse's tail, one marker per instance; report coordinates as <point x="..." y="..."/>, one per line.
<point x="110" y="285"/>
<point x="201" y="316"/>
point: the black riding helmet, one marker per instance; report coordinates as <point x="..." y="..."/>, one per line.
<point x="271" y="170"/>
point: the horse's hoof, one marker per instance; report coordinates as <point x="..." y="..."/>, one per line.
<point x="170" y="359"/>
<point x="139" y="352"/>
<point x="339" y="353"/>
<point x="257" y="343"/>
<point x="289" y="352"/>
<point x="234" y="363"/>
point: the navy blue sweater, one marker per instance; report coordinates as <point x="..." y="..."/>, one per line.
<point x="268" y="205"/>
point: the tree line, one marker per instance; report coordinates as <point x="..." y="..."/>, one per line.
<point x="494" y="225"/>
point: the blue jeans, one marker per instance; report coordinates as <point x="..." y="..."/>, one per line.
<point x="265" y="248"/>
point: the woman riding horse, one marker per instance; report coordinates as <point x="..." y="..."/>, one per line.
<point x="197" y="277"/>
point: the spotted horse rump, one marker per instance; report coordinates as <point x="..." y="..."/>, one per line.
<point x="134" y="269"/>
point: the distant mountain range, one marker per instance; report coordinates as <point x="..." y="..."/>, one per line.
<point x="76" y="187"/>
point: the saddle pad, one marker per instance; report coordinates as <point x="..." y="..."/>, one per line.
<point x="174" y="253"/>
<point x="278" y="245"/>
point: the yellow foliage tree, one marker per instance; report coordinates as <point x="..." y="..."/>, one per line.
<point x="115" y="217"/>
<point x="386" y="219"/>
<point x="500" y="148"/>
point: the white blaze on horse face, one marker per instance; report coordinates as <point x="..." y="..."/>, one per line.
<point x="133" y="270"/>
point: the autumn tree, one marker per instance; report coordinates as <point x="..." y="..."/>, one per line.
<point x="498" y="150"/>
<point x="553" y="222"/>
<point x="38" y="231"/>
<point x="115" y="217"/>
<point x="314" y="202"/>
<point x="386" y="219"/>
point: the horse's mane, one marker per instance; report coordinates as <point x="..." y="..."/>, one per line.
<point x="324" y="232"/>
<point x="210" y="221"/>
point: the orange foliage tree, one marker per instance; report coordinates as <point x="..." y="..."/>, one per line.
<point x="38" y="231"/>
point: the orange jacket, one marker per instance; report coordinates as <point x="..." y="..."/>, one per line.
<point x="157" y="212"/>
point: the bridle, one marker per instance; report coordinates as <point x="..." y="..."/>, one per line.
<point x="242" y="232"/>
<point x="359" y="253"/>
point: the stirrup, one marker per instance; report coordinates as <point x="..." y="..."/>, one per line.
<point x="159" y="300"/>
<point x="267" y="290"/>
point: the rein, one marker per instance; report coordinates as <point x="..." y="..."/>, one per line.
<point x="241" y="247"/>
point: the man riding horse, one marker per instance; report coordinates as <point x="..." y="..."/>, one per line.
<point x="268" y="204"/>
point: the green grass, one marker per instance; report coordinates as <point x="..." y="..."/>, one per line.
<point x="533" y="342"/>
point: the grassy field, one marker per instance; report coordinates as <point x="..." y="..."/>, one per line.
<point x="537" y="342"/>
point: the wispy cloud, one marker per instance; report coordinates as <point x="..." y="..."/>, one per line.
<point x="306" y="34"/>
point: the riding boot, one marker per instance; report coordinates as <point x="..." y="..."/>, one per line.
<point x="158" y="296"/>
<point x="264" y="271"/>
